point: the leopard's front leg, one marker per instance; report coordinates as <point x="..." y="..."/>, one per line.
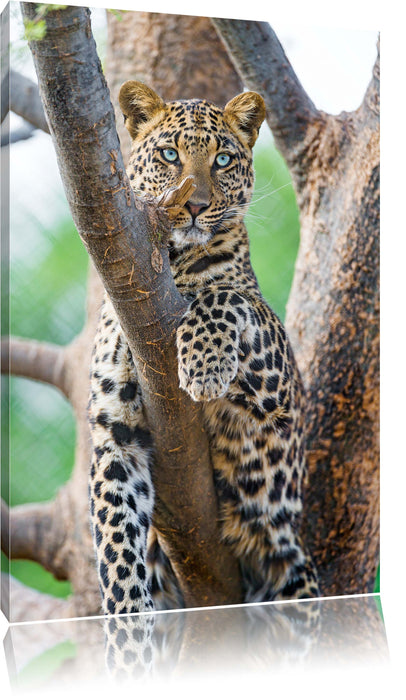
<point x="208" y="340"/>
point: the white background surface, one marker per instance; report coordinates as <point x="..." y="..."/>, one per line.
<point x="366" y="16"/>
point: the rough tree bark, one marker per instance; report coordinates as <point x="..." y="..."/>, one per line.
<point x="333" y="161"/>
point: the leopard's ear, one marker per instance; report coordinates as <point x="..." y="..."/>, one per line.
<point x="245" y="113"/>
<point x="139" y="103"/>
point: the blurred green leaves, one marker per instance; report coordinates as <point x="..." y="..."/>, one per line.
<point x="48" y="290"/>
<point x="273" y="225"/>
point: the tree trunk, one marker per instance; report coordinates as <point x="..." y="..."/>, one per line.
<point x="333" y="322"/>
<point x="333" y="310"/>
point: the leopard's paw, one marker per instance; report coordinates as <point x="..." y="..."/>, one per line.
<point x="209" y="379"/>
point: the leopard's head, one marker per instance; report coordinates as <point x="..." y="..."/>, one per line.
<point x="193" y="137"/>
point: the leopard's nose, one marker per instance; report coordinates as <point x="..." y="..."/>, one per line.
<point x="196" y="209"/>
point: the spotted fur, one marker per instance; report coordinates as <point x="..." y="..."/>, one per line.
<point x="234" y="358"/>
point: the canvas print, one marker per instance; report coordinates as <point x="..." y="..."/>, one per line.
<point x="190" y="328"/>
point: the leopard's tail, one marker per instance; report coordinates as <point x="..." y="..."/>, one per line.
<point x="121" y="490"/>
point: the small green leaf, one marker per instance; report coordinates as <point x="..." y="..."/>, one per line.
<point x="42" y="9"/>
<point x="35" y="30"/>
<point x="118" y="14"/>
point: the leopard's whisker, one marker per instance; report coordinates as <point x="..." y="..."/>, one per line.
<point x="255" y="199"/>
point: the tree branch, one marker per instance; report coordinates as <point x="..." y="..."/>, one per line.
<point x="262" y="63"/>
<point x="123" y="234"/>
<point x="22" y="134"/>
<point x="32" y="359"/>
<point x="370" y="106"/>
<point x="25" y="101"/>
<point x="26" y="604"/>
<point x="29" y="532"/>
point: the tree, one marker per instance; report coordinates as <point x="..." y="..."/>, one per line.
<point x="332" y="315"/>
<point x="333" y="310"/>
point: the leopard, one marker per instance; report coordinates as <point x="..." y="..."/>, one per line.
<point x="234" y="359"/>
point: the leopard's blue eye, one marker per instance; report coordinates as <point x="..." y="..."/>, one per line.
<point x="170" y="154"/>
<point x="222" y="160"/>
